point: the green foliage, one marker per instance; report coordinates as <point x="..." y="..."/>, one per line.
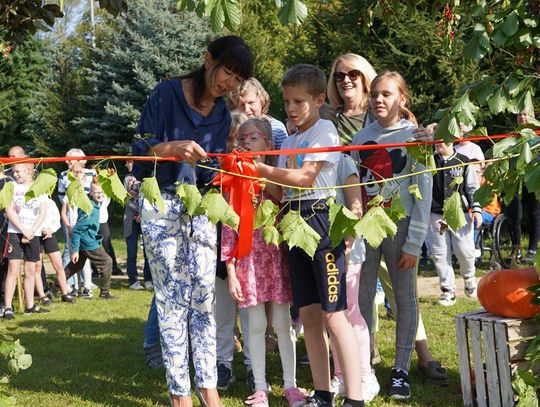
<point x="17" y="359"/>
<point x="297" y="233"/>
<point x="396" y="211"/>
<point x="342" y="223"/>
<point x="271" y="235"/>
<point x="414" y="190"/>
<point x="375" y="226"/>
<point x="6" y="195"/>
<point x="453" y="212"/>
<point x="112" y="186"/>
<point x="150" y="189"/>
<point x="78" y="197"/>
<point x="265" y="214"/>
<point x="44" y="184"/>
<point x="191" y="197"/>
<point x="218" y="210"/>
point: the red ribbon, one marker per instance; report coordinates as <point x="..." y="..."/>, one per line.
<point x="242" y="193"/>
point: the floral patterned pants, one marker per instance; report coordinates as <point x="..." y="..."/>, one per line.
<point x="181" y="252"/>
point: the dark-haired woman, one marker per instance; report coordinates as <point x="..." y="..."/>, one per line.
<point x="187" y="117"/>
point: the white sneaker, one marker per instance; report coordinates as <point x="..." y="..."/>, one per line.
<point x="136" y="286"/>
<point x="370" y="387"/>
<point x="379" y="298"/>
<point x="337" y="386"/>
<point x="148" y="285"/>
<point x="477" y="253"/>
<point x="470" y="287"/>
<point x="447" y="299"/>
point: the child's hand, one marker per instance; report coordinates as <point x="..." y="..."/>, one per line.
<point x="234" y="289"/>
<point x="24" y="240"/>
<point x="46" y="233"/>
<point x="477" y="219"/>
<point x="407" y="261"/>
<point x="28" y="234"/>
<point x="75" y="257"/>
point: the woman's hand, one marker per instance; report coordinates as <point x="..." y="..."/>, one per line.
<point x="188" y="150"/>
<point x="407" y="261"/>
<point x="234" y="289"/>
<point x="425" y="133"/>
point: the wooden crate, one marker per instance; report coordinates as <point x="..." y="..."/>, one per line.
<point x="489" y="350"/>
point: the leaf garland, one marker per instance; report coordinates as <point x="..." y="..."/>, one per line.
<point x="150" y="189"/>
<point x="271" y="235"/>
<point x="112" y="186"/>
<point x="375" y="226"/>
<point x="191" y="198"/>
<point x="77" y="196"/>
<point x="218" y="209"/>
<point x="396" y="211"/>
<point x="265" y="214"/>
<point x="414" y="190"/>
<point x="6" y="195"/>
<point x="453" y="213"/>
<point x="297" y="233"/>
<point x="44" y="184"/>
<point x="342" y="223"/>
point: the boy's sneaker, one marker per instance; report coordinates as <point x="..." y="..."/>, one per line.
<point x="8" y="314"/>
<point x="107" y="296"/>
<point x="35" y="310"/>
<point x="295" y="396"/>
<point x="148" y="285"/>
<point x="86" y="294"/>
<point x="74" y="292"/>
<point x="45" y="301"/>
<point x="370" y="387"/>
<point x="470" y="287"/>
<point x="225" y="377"/>
<point x="447" y="299"/>
<point x="136" y="286"/>
<point x="258" y="399"/>
<point x="400" y="388"/>
<point x="529" y="257"/>
<point x="337" y="386"/>
<point x="68" y="298"/>
<point x="316" y="401"/>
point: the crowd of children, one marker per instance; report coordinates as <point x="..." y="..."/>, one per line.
<point x="333" y="292"/>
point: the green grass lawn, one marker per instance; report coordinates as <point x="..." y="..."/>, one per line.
<point x="90" y="354"/>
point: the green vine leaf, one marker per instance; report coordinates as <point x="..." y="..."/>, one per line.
<point x="525" y="388"/>
<point x="271" y="235"/>
<point x="112" y="186"/>
<point x="414" y="190"/>
<point x="396" y="211"/>
<point x="6" y="195"/>
<point x="423" y="154"/>
<point x="375" y="226"/>
<point x="453" y="212"/>
<point x="77" y="196"/>
<point x="342" y="223"/>
<point x="150" y="189"/>
<point x="484" y="195"/>
<point x="297" y="233"/>
<point x="501" y="146"/>
<point x="265" y="214"/>
<point x="191" y="197"/>
<point x="524" y="158"/>
<point x="377" y="200"/>
<point x="218" y="209"/>
<point x="456" y="181"/>
<point x="44" y="184"/>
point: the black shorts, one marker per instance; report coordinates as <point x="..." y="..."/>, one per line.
<point x="17" y="250"/>
<point x="320" y="280"/>
<point x="49" y="245"/>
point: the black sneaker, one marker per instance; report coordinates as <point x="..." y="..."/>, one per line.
<point x="225" y="377"/>
<point x="35" y="310"/>
<point x="45" y="301"/>
<point x="107" y="296"/>
<point x="400" y="388"/>
<point x="117" y="272"/>
<point x="8" y="314"/>
<point x="74" y="293"/>
<point x="316" y="401"/>
<point x="68" y="298"/>
<point x="86" y="294"/>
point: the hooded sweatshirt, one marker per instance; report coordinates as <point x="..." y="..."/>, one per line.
<point x="392" y="162"/>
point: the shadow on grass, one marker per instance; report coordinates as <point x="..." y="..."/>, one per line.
<point x="99" y="362"/>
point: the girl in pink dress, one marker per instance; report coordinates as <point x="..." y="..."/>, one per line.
<point x="262" y="277"/>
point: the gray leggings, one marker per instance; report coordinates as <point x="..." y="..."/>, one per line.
<point x="404" y="286"/>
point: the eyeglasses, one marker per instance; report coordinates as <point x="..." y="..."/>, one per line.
<point x="353" y="75"/>
<point x="254" y="135"/>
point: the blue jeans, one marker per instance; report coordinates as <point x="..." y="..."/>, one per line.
<point x="132" y="242"/>
<point x="151" y="328"/>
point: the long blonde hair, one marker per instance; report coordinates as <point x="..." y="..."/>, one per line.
<point x="357" y="62"/>
<point x="404" y="111"/>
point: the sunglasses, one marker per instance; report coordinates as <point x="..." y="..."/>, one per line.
<point x="353" y="75"/>
<point x="254" y="135"/>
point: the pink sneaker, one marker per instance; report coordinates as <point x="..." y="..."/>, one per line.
<point x="258" y="399"/>
<point x="295" y="396"/>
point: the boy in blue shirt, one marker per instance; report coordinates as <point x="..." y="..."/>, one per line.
<point x="86" y="243"/>
<point x="318" y="283"/>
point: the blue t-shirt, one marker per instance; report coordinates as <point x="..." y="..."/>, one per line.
<point x="168" y="117"/>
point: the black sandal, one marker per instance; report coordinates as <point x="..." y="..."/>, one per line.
<point x="435" y="372"/>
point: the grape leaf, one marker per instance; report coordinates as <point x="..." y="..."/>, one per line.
<point x="376" y="201"/>
<point x="265" y="214"/>
<point x="77" y="196"/>
<point x="218" y="210"/>
<point x="524" y="158"/>
<point x="112" y="186"/>
<point x="456" y="181"/>
<point x="191" y="197"/>
<point x="6" y="195"/>
<point x="376" y="225"/>
<point x="44" y="184"/>
<point x="150" y="189"/>
<point x="271" y="235"/>
<point x="415" y="192"/>
<point x="423" y="154"/>
<point x="453" y="212"/>
<point x="501" y="146"/>
<point x="396" y="211"/>
<point x="297" y="233"/>
<point x="484" y="195"/>
<point x="342" y="223"/>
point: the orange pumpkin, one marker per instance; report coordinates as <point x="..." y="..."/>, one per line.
<point x="504" y="292"/>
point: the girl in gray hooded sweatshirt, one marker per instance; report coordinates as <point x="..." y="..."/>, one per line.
<point x="395" y="123"/>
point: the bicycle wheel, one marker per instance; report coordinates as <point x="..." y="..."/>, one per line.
<point x="502" y="239"/>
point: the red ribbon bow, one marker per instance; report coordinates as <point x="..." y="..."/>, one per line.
<point x="242" y="193"/>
